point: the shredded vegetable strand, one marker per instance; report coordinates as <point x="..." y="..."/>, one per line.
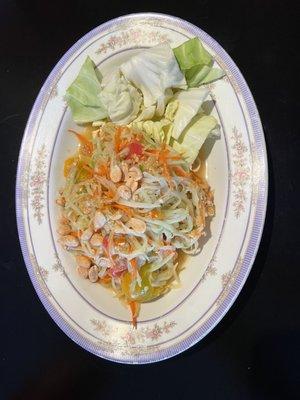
<point x="128" y="230"/>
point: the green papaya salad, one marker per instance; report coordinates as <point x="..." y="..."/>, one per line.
<point x="133" y="199"/>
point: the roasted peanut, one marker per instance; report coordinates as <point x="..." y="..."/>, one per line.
<point x="83" y="272"/>
<point x="83" y="261"/>
<point x="69" y="241"/>
<point x="61" y="201"/>
<point x="135" y="173"/>
<point x="96" y="240"/>
<point x="93" y="273"/>
<point x="64" y="229"/>
<point x="133" y="185"/>
<point x="115" y="173"/>
<point x="125" y="170"/>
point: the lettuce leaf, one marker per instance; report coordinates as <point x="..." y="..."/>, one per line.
<point x="155" y="111"/>
<point x="146" y="114"/>
<point x="160" y="130"/>
<point x="121" y="99"/>
<point x="83" y="95"/>
<point x="196" y="75"/>
<point x="195" y="135"/>
<point x="196" y="63"/>
<point x="157" y="130"/>
<point x="213" y="75"/>
<point x="191" y="53"/>
<point x="171" y="109"/>
<point x="153" y="71"/>
<point x="83" y="114"/>
<point x="190" y="102"/>
<point x="162" y="101"/>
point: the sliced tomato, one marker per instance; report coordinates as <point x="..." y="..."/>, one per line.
<point x="120" y="265"/>
<point x="135" y="148"/>
<point x="105" y="242"/>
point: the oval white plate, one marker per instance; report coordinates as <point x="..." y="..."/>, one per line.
<point x="237" y="171"/>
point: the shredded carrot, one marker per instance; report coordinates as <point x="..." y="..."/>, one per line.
<point x="88" y="169"/>
<point x="96" y="194"/>
<point x="127" y="210"/>
<point x="76" y="233"/>
<point x="106" y="279"/>
<point x="86" y="146"/>
<point x="134" y="265"/>
<point x="152" y="151"/>
<point x="134" y="312"/>
<point x="123" y="144"/>
<point x="166" y="173"/>
<point x="168" y="252"/>
<point x="102" y="170"/>
<point x="110" y="194"/>
<point x="154" y="214"/>
<point x="118" y="139"/>
<point x="137" y="136"/>
<point x="120" y="239"/>
<point x="107" y="241"/>
<point x="162" y="154"/>
<point x="110" y="243"/>
<point x="180" y="171"/>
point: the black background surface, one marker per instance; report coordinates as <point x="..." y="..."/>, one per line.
<point x="254" y="352"/>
